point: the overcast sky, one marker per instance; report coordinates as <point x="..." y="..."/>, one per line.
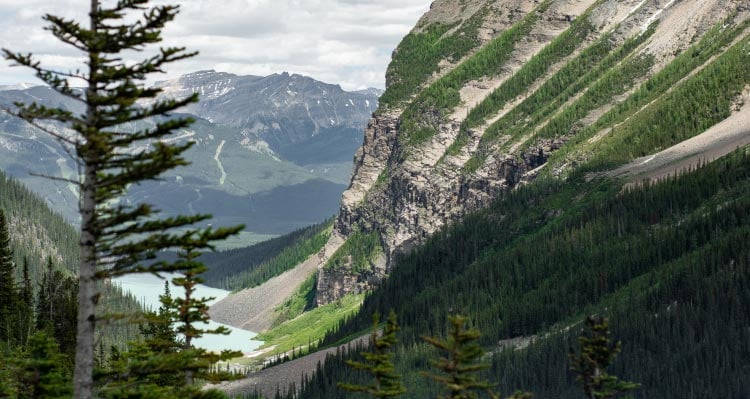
<point x="337" y="41"/>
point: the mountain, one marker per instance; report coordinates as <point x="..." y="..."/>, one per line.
<point x="310" y="123"/>
<point x="533" y="163"/>
<point x="273" y="153"/>
<point x="484" y="97"/>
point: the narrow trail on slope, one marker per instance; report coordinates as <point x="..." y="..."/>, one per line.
<point x="221" y="167"/>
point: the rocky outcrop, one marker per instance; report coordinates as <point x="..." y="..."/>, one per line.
<point x="407" y="191"/>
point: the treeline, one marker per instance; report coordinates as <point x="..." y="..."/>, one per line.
<point x="571" y="78"/>
<point x="702" y="101"/>
<point x="668" y="262"/>
<point x="418" y="121"/>
<point x="137" y="352"/>
<point x="584" y="69"/>
<point x="419" y="54"/>
<point x="249" y="267"/>
<point x="455" y="366"/>
<point x="694" y="104"/>
<point x="38" y="304"/>
<point x="37" y="323"/>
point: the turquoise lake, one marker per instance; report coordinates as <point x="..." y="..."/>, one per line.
<point x="147" y="288"/>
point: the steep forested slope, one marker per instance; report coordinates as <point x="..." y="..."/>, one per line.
<point x="42" y="239"/>
<point x="669" y="263"/>
<point x="241" y="268"/>
<point x="486" y="96"/>
<point x="38" y="234"/>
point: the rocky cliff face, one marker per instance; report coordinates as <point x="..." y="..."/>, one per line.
<point x="519" y="90"/>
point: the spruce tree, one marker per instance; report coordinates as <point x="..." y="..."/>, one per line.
<point x="379" y="363"/>
<point x="192" y="312"/>
<point x="8" y="294"/>
<point x="164" y="365"/>
<point x="44" y="299"/>
<point x="158" y="330"/>
<point x="41" y="373"/>
<point x="461" y="363"/>
<point x="596" y="355"/>
<point x="160" y="336"/>
<point x="25" y="306"/>
<point x="57" y="307"/>
<point x="116" y="238"/>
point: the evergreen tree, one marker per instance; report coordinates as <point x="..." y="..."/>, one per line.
<point x="41" y="373"/>
<point x="57" y="307"/>
<point x="597" y="354"/>
<point x="158" y="328"/>
<point x="191" y="312"/>
<point x="115" y="239"/>
<point x="8" y="293"/>
<point x="164" y="365"/>
<point x="379" y="363"/>
<point x="6" y="387"/>
<point x="44" y="300"/>
<point x="160" y="336"/>
<point x="25" y="306"/>
<point x="460" y="361"/>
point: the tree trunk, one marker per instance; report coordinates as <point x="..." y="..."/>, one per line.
<point x="84" y="367"/>
<point x="188" y="330"/>
<point x="83" y="377"/>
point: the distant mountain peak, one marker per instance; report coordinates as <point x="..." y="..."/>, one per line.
<point x="281" y="109"/>
<point x="373" y="91"/>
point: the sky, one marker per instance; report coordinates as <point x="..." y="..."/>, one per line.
<point x="348" y="42"/>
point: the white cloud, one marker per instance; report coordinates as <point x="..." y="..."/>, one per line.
<point x="338" y="41"/>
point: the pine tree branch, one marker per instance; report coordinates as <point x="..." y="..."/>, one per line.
<point x="55" y="178"/>
<point x="54" y="79"/>
<point x="68" y="31"/>
<point x="34" y="123"/>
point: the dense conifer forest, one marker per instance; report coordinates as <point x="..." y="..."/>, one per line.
<point x="38" y="233"/>
<point x="38" y="301"/>
<point x="667" y="262"/>
<point x="241" y="268"/>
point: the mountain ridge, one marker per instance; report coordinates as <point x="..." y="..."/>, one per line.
<point x="241" y="175"/>
<point x="510" y="94"/>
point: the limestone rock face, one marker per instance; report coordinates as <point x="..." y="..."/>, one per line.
<point x="406" y="189"/>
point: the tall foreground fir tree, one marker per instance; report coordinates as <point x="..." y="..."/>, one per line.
<point x="116" y="239"/>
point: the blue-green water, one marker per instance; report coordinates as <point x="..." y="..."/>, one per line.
<point x="147" y="288"/>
